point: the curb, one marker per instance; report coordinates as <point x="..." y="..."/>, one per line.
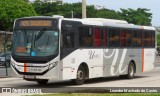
<point x="14" y="78"/>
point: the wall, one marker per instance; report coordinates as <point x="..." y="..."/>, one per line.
<point x="2" y="39"/>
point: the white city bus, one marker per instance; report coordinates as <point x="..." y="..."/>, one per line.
<point x="57" y="48"/>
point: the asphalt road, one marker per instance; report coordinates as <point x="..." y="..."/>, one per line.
<point x="9" y="73"/>
<point x="148" y="79"/>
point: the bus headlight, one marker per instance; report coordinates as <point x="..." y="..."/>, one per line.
<point x="52" y="65"/>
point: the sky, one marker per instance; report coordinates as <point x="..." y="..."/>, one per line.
<point x="153" y="5"/>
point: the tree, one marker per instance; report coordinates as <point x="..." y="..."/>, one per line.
<point x="158" y="39"/>
<point x="67" y="8"/>
<point x="26" y="1"/>
<point x="46" y="9"/>
<point x="13" y="9"/>
<point x="77" y="9"/>
<point x="141" y="16"/>
<point x="107" y="13"/>
<point x="49" y="9"/>
<point x="91" y="11"/>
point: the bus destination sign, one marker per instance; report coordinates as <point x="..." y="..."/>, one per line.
<point x="35" y="23"/>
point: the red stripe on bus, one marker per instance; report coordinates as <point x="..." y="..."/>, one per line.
<point x="25" y="68"/>
<point x="143" y="60"/>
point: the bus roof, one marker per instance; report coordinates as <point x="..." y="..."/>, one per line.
<point x="99" y="22"/>
<point x="109" y="22"/>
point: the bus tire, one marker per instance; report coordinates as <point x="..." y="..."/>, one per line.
<point x="42" y="82"/>
<point x="81" y="75"/>
<point x="131" y="72"/>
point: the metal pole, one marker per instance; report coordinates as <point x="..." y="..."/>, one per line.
<point x="83" y="8"/>
<point x="5" y="53"/>
<point x="72" y="14"/>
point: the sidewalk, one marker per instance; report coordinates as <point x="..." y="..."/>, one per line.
<point x="9" y="71"/>
<point x="158" y="61"/>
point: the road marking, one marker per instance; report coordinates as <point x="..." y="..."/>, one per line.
<point x="4" y="79"/>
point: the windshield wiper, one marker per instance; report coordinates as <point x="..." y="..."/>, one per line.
<point x="40" y="34"/>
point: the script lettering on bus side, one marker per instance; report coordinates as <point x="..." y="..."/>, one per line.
<point x="93" y="55"/>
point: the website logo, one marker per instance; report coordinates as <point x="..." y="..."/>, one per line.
<point x="6" y="90"/>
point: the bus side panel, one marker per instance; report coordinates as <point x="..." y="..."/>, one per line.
<point x="68" y="66"/>
<point x="92" y="57"/>
<point x="149" y="59"/>
<point x="116" y="61"/>
<point x="55" y="72"/>
<point x="96" y="57"/>
<point x="137" y="58"/>
<point x="72" y="61"/>
<point x="125" y="59"/>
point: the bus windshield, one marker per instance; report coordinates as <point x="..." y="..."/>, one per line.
<point x="35" y="42"/>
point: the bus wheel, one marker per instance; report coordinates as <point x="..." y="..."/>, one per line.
<point x="131" y="72"/>
<point x="80" y="76"/>
<point x="42" y="81"/>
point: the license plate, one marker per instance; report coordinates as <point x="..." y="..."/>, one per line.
<point x="34" y="70"/>
<point x="29" y="77"/>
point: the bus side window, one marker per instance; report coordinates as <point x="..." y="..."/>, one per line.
<point x="146" y="39"/>
<point x="104" y="38"/>
<point x="97" y="38"/>
<point x="134" y="39"/>
<point x="123" y="38"/>
<point x="139" y="38"/>
<point x="126" y="38"/>
<point x="86" y="37"/>
<point x="114" y="37"/>
<point x="68" y="39"/>
<point x="153" y="39"/>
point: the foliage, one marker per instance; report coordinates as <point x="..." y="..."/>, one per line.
<point x="49" y="9"/>
<point x="46" y="9"/>
<point x="158" y="39"/>
<point x="107" y="13"/>
<point x="26" y="1"/>
<point x="141" y="16"/>
<point x="12" y="9"/>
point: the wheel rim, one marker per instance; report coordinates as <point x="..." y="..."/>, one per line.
<point x="131" y="71"/>
<point x="80" y="75"/>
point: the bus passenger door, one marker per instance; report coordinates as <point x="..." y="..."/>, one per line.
<point x="97" y="54"/>
<point x="68" y="48"/>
